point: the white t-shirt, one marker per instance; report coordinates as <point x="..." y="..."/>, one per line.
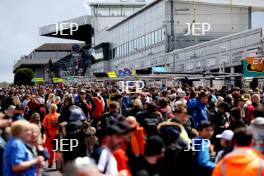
<point x="107" y="163"/>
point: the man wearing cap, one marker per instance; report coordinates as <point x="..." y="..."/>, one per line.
<point x="246" y="107"/>
<point x="226" y="142"/>
<point x="110" y="139"/>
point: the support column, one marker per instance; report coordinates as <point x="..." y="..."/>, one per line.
<point x="232" y="70"/>
<point x="249" y="17"/>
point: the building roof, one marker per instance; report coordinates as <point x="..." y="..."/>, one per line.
<point x="255" y="4"/>
<point x="57" y="46"/>
<point x="116" y="2"/>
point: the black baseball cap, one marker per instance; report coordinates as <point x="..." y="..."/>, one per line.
<point x="119" y="128"/>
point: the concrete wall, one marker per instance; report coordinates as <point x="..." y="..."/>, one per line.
<point x="102" y="23"/>
<point x="219" y="17"/>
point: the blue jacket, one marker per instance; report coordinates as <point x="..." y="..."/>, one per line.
<point x="199" y="113"/>
<point x="191" y="103"/>
<point x="125" y="102"/>
<point x="203" y="153"/>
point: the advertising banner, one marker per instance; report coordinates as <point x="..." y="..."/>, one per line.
<point x="111" y="74"/>
<point x="253" y="67"/>
<point x="38" y="80"/>
<point x="57" y="80"/>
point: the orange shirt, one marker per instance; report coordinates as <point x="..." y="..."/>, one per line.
<point x="50" y="123"/>
<point x="138" y="141"/>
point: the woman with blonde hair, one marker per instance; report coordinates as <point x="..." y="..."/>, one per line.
<point x="36" y="145"/>
<point x="137" y="106"/>
<point x="16" y="101"/>
<point x="51" y="128"/>
<point x="57" y="101"/>
<point x="219" y="101"/>
<point x="50" y="99"/>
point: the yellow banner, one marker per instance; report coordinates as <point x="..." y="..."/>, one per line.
<point x="111" y="74"/>
<point x="57" y="80"/>
<point x="134" y="72"/>
<point x="38" y="80"/>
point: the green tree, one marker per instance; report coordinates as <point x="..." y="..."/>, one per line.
<point x="23" y="76"/>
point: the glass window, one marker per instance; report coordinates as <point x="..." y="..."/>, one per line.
<point x="152" y="38"/>
<point x="121" y="51"/>
<point x="138" y="43"/>
<point x="124" y="50"/>
<point x="117" y="51"/>
<point x="143" y="42"/>
<point x="93" y="11"/>
<point x="114" y="53"/>
<point x="103" y="11"/>
<point x="131" y="46"/>
<point x="163" y="34"/>
<point x="136" y="9"/>
<point x="156" y="36"/>
<point x="135" y="45"/>
<point x="160" y="35"/>
<point x="127" y="11"/>
<point x="147" y="40"/>
<point x="128" y="47"/>
<point x="115" y="11"/>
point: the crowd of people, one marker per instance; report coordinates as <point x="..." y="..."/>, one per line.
<point x="89" y="130"/>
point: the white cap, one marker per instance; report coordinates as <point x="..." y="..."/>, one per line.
<point x="227" y="134"/>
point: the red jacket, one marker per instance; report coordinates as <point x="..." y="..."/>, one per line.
<point x="99" y="109"/>
<point x="249" y="113"/>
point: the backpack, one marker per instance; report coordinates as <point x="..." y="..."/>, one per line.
<point x="150" y="125"/>
<point x="177" y="161"/>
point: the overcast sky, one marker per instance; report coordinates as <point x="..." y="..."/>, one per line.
<point x="20" y="21"/>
